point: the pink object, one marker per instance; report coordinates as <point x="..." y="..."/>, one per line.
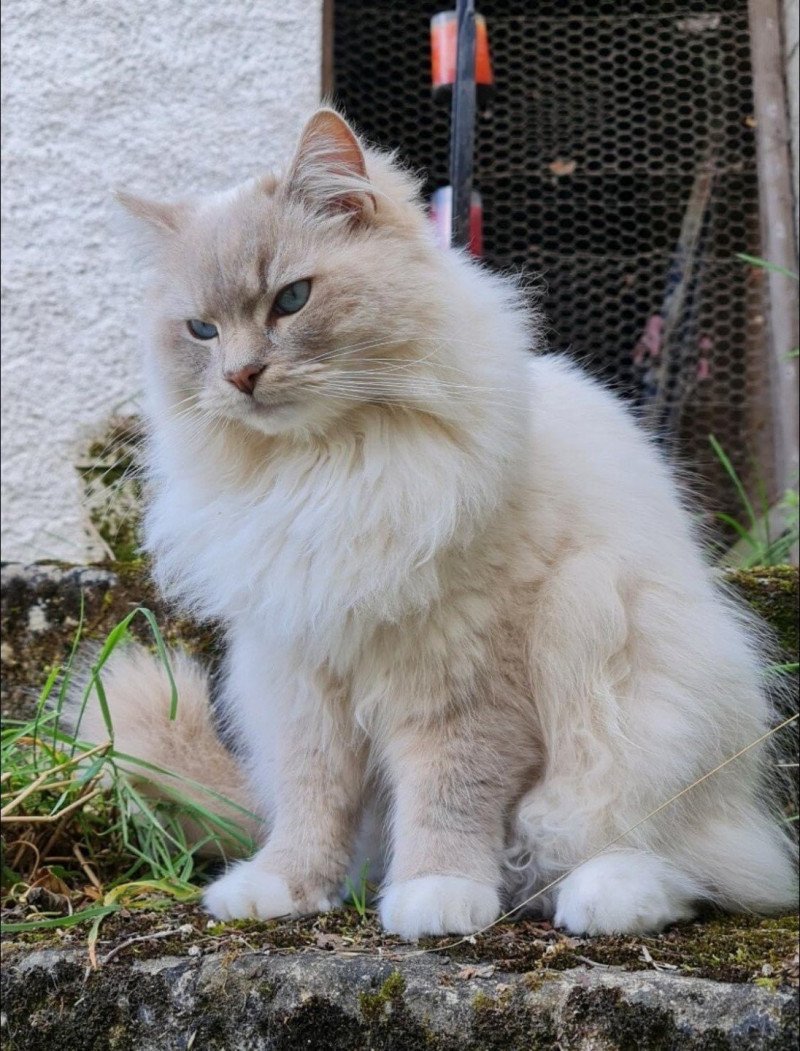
<point x="703" y="369"/>
<point x="441" y="213"/>
<point x="649" y="345"/>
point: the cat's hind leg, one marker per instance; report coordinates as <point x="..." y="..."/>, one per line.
<point x="625" y="892"/>
<point x="647" y="692"/>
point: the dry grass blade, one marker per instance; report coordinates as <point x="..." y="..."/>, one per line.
<point x="48" y="819"/>
<point x="52" y="781"/>
<point x="40" y="783"/>
<point x="23" y="794"/>
<point x="154" y="936"/>
<point x="88" y="871"/>
<point x="22" y="845"/>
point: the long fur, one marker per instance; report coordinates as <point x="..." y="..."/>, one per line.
<point x="188" y="745"/>
<point x="456" y="576"/>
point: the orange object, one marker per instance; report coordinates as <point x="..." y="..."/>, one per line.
<point x="444" y="31"/>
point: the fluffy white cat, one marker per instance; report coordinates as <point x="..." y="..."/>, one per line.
<point x="471" y="633"/>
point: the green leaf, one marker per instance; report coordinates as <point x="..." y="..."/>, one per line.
<point x="739" y="529"/>
<point x="162" y="652"/>
<point x="92" y="913"/>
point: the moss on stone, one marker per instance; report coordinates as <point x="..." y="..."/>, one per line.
<point x="375" y="1005"/>
<point x="723" y="947"/>
<point x="42" y="607"/>
<point x="772" y="591"/>
<point x="112" y="491"/>
<point x="319" y="1022"/>
<point x="506" y="1022"/>
<point x="261" y="999"/>
<point x="737" y="949"/>
<point x="604" y="1015"/>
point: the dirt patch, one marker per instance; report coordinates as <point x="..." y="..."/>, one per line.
<point x="735" y="949"/>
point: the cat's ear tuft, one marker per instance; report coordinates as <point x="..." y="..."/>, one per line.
<point x="146" y="227"/>
<point x="329" y="167"/>
<point x="161" y="217"/>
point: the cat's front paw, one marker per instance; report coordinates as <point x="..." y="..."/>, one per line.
<point x="247" y="891"/>
<point x="438" y="905"/>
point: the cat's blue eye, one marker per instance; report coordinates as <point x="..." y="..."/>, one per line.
<point x="201" y="329"/>
<point x="293" y="298"/>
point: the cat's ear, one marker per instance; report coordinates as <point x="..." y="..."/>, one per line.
<point x="329" y="167"/>
<point x="145" y="226"/>
<point x="161" y="217"/>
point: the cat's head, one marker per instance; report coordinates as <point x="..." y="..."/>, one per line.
<point x="290" y="300"/>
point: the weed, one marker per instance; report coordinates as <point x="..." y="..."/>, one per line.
<point x="80" y="838"/>
<point x="761" y="542"/>
<point x="359" y="896"/>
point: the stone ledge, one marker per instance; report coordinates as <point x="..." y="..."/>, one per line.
<point x="402" y="1001"/>
<point x="41" y="610"/>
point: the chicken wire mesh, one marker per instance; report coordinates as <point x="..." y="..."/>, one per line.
<point x="617" y="165"/>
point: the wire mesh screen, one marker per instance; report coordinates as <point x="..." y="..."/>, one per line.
<point x="618" y="164"/>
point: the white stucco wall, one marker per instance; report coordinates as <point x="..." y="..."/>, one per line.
<point x="156" y="95"/>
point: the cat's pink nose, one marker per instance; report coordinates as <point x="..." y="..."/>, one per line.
<point x="245" y="379"/>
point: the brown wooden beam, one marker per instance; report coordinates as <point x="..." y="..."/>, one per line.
<point x="778" y="245"/>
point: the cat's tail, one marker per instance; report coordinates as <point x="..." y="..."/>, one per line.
<point x="182" y="759"/>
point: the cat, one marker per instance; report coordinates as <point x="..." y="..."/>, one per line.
<point x="471" y="633"/>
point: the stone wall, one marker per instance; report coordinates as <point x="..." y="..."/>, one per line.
<point x="403" y="1000"/>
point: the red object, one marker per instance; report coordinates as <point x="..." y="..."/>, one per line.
<point x="444" y="32"/>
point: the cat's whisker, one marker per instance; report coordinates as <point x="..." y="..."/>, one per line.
<point x="188" y="410"/>
<point x="447" y="345"/>
<point x="410" y="402"/>
<point x="116" y="442"/>
<point x="416" y="340"/>
<point x="189" y="400"/>
<point x="367" y="379"/>
<point x="346" y="351"/>
<point x="132" y="469"/>
<point x="417" y="386"/>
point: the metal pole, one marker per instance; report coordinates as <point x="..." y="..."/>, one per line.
<point x="777" y="232"/>
<point x="462" y="124"/>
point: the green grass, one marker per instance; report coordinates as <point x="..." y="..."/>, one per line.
<point x="358" y="897"/>
<point x="761" y="544"/>
<point x="764" y="264"/>
<point x="80" y="839"/>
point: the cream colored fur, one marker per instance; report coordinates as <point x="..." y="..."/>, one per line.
<point x="464" y="602"/>
<point x="141" y="696"/>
